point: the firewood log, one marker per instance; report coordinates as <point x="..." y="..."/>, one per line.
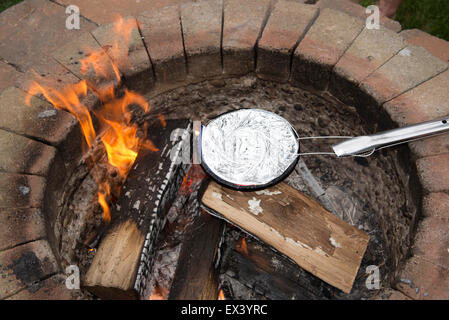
<point x="297" y="226"/>
<point x="123" y="260"/>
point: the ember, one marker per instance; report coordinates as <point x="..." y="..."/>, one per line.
<point x="193" y="177"/>
<point x="241" y="246"/>
<point x="159" y="294"/>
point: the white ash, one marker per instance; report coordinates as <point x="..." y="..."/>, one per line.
<point x="47" y="113"/>
<point x="276" y="263"/>
<point x="136" y="205"/>
<point x="334" y="243"/>
<point x="268" y="193"/>
<point x="254" y="206"/>
<point x="165" y="263"/>
<point x="24" y="190"/>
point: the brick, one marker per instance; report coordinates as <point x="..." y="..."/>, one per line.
<point x="71" y="53"/>
<point x="20" y="190"/>
<point x="127" y="51"/>
<point x="18" y="226"/>
<point x="8" y="75"/>
<point x="357" y="10"/>
<point x="53" y="288"/>
<point x="22" y="266"/>
<point x="51" y="74"/>
<point x="323" y="45"/>
<point x="242" y="26"/>
<point x="408" y="68"/>
<point x="432" y="242"/>
<point x="436" y="46"/>
<point x="370" y="50"/>
<point x="287" y="24"/>
<point x="40" y="120"/>
<point x="96" y="10"/>
<point x="23" y="155"/>
<point x="436" y="205"/>
<point x="201" y="27"/>
<point x="433" y="173"/>
<point x="426" y="102"/>
<point x="161" y="31"/>
<point x="423" y="280"/>
<point x="33" y="28"/>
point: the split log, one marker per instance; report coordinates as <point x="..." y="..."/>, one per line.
<point x="196" y="276"/>
<point x="297" y="226"/>
<point x="123" y="260"/>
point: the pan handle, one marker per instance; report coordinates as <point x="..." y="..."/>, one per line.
<point x="364" y="144"/>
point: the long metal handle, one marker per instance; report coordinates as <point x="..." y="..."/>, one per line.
<point x="364" y="144"/>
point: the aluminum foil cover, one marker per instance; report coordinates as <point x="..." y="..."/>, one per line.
<point x="249" y="147"/>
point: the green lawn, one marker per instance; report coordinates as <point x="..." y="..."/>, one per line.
<point x="431" y="16"/>
<point x="5" y="4"/>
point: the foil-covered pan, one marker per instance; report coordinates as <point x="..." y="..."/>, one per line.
<point x="249" y="148"/>
<point x="255" y="148"/>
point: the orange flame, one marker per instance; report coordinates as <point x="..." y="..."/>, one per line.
<point x="159" y="294"/>
<point x="116" y="131"/>
<point x="241" y="246"/>
<point x="104" y="203"/>
<point x="221" y="295"/>
<point x="193" y="177"/>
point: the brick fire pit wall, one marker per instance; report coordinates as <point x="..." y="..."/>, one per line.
<point x="313" y="46"/>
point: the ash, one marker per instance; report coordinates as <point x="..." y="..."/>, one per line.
<point x="182" y="213"/>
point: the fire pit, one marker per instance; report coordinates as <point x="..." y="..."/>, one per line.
<point x="171" y="74"/>
<point x="373" y="194"/>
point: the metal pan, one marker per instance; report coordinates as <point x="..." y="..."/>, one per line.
<point x="252" y="149"/>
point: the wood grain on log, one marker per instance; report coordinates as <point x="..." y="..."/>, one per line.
<point x="196" y="277"/>
<point x="297" y="226"/>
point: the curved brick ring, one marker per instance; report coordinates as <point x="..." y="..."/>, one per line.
<point x="312" y="46"/>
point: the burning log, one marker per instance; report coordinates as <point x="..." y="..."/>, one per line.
<point x="297" y="226"/>
<point x="124" y="258"/>
<point x="196" y="277"/>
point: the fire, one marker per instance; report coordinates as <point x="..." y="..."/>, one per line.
<point x="192" y="179"/>
<point x="221" y="295"/>
<point x="159" y="293"/>
<point x="102" y="200"/>
<point x="116" y="130"/>
<point x="241" y="246"/>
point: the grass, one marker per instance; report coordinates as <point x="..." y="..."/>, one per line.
<point x="431" y="16"/>
<point x="5" y="4"/>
